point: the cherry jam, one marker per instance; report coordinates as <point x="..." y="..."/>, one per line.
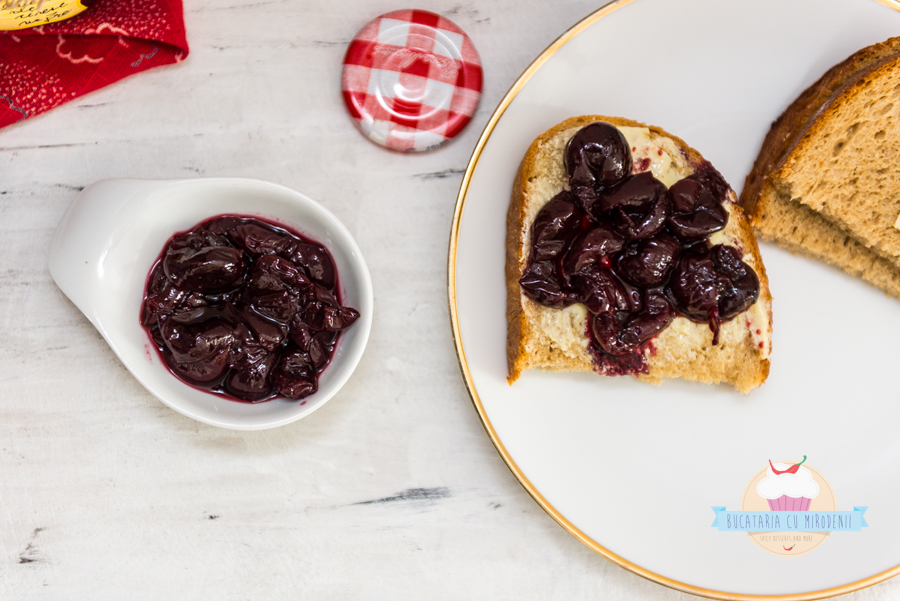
<point x="244" y="308"/>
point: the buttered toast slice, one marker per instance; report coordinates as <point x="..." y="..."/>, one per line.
<point x="626" y="254"/>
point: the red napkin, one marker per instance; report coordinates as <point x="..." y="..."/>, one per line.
<point x="43" y="67"/>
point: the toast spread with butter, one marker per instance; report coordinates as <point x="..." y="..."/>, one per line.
<point x="626" y="254"/>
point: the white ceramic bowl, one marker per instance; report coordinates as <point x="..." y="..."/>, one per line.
<point x="115" y="230"/>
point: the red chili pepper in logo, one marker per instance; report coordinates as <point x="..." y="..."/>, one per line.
<point x="791" y="470"/>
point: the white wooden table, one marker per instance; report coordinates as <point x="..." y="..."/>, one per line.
<point x="392" y="490"/>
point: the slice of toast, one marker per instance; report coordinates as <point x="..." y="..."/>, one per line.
<point x="823" y="183"/>
<point x="557" y="339"/>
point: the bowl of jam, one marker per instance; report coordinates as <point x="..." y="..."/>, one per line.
<point x="239" y="303"/>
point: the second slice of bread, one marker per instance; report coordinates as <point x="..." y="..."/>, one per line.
<point x="824" y="183"/>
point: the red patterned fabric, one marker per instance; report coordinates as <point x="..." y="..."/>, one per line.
<point x="43" y="67"/>
<point x="411" y="80"/>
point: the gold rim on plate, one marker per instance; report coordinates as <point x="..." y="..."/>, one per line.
<point x="486" y="422"/>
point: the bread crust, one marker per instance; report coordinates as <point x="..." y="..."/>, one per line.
<point x="740" y="364"/>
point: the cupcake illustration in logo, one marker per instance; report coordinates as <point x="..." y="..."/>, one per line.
<point x="788" y="487"/>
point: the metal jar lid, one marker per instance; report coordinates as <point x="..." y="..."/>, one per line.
<point x="411" y="80"/>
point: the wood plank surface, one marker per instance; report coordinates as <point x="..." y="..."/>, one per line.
<point x="390" y="491"/>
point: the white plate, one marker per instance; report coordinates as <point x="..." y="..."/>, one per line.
<point x="633" y="470"/>
<point x="114" y="231"/>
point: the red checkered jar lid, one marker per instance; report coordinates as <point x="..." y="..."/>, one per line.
<point x="411" y="80"/>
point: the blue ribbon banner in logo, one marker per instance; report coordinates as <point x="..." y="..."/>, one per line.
<point x="789" y="521"/>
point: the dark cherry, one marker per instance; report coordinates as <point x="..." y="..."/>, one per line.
<point x="294" y="376"/>
<point x="711" y="285"/>
<point x="198" y="344"/>
<point x="320" y="348"/>
<point x="601" y="291"/>
<point x="648" y="263"/>
<point x="738" y="283"/>
<point x="209" y="371"/>
<point x="271" y="272"/>
<point x="597" y="156"/>
<point x="541" y="282"/>
<point x="712" y="180"/>
<point x="317" y="262"/>
<point x="245" y="308"/>
<point x="555" y="226"/>
<point x="164" y="300"/>
<point x="204" y="262"/>
<point x="590" y="247"/>
<point x="301" y="333"/>
<point x="685" y="194"/>
<point x="260" y="240"/>
<point x="276" y="306"/>
<point x="635" y="194"/>
<point x="694" y="285"/>
<point x="268" y="334"/>
<point x="638" y="206"/>
<point x="696" y="213"/>
<point x="623" y="332"/>
<point x="606" y="327"/>
<point x="655" y="316"/>
<point x="273" y="286"/>
<point x="322" y="311"/>
<point x="249" y="378"/>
